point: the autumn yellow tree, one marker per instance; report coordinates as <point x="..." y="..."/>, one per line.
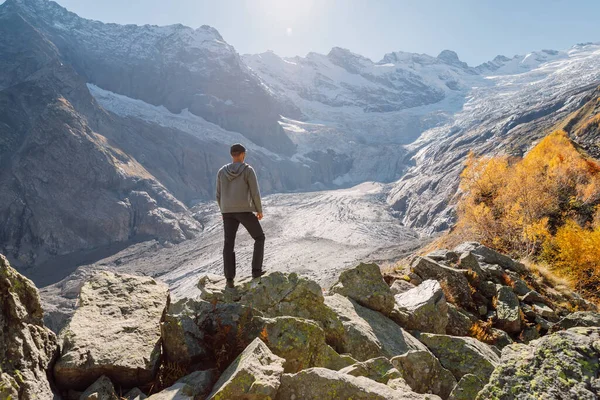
<point x="545" y="204"/>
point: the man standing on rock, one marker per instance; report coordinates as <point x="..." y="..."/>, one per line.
<point x="238" y="196"/>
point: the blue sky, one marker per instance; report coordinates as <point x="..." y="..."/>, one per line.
<point x="476" y="30"/>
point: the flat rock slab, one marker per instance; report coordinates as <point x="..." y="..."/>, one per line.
<point x="114" y="332"/>
<point x="255" y="374"/>
<point x="563" y="365"/>
<point x="462" y="355"/>
<point x="325" y="384"/>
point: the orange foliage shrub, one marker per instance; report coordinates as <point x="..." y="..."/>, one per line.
<point x="542" y="203"/>
<point x="575" y="253"/>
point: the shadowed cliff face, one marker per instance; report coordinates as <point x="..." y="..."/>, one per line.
<point x="189" y="69"/>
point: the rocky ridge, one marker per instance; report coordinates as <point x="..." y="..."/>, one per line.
<point x="284" y="337"/>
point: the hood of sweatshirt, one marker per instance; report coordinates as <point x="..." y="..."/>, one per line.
<point x="234" y="170"/>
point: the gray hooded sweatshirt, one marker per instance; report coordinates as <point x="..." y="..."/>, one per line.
<point x="237" y="189"/>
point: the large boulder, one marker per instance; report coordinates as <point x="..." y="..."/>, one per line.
<point x="453" y="281"/>
<point x="27" y="348"/>
<point x="301" y="343"/>
<point x="462" y="355"/>
<point x="563" y="365"/>
<point x="278" y="294"/>
<point x="490" y="256"/>
<point x="196" y="385"/>
<point x="580" y="318"/>
<point x="325" y="384"/>
<point x="467" y="388"/>
<point x="366" y="286"/>
<point x="114" y="332"/>
<point x="379" y="369"/>
<point x="255" y="374"/>
<point x="424" y="373"/>
<point x="370" y="334"/>
<point x="507" y="310"/>
<point x="423" y="308"/>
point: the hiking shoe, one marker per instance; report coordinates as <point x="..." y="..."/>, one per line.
<point x="256" y="275"/>
<point x="230" y="284"/>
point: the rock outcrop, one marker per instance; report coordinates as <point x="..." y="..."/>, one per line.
<point x="27" y="347"/>
<point x="114" y="332"/>
<point x="260" y="340"/>
<point x="563" y="365"/>
<point x="278" y="294"/>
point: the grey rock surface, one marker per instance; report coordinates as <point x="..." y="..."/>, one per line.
<point x="114" y="332"/>
<point x="27" y="347"/>
<point x="366" y="286"/>
<point x="102" y="389"/>
<point x="255" y="373"/>
<point x="563" y="365"/>
<point x="423" y="308"/>
<point x="462" y="355"/>
<point x="423" y="372"/>
<point x="324" y="384"/>
<point x="467" y="388"/>
<point x="370" y="334"/>
<point x="455" y="285"/>
<point x="507" y="310"/>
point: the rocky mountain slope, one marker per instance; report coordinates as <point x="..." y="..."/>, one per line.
<point x="428" y="111"/>
<point x="78" y="180"/>
<point x="464" y="324"/>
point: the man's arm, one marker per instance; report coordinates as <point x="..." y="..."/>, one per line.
<point x="254" y="190"/>
<point x="219" y="189"/>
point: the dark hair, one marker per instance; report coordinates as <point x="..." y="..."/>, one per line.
<point x="237" y="149"/>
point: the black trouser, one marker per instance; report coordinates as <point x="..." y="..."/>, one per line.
<point x="231" y="223"/>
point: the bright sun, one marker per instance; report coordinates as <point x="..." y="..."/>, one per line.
<point x="288" y="31"/>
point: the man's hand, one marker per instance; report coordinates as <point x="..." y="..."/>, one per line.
<point x="259" y="216"/>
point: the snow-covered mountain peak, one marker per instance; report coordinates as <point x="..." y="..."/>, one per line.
<point x="502" y="65"/>
<point x="451" y="58"/>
